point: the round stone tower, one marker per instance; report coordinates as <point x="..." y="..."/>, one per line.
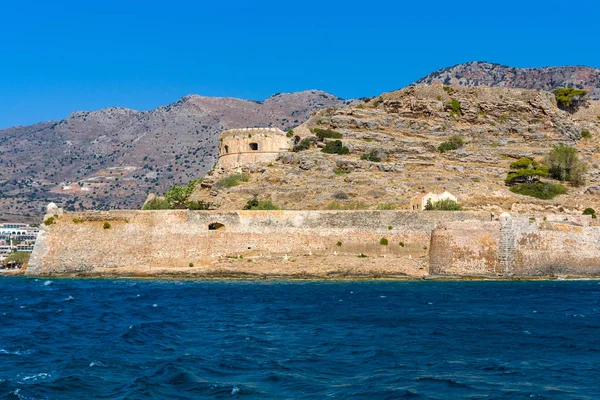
<point x="245" y="146"/>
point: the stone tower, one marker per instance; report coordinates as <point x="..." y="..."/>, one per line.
<point x="245" y="146"/>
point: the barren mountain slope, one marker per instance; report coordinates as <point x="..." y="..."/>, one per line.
<point x="498" y="125"/>
<point x="111" y="158"/>
<point x="487" y="74"/>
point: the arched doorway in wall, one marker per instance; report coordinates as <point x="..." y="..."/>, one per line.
<point x="254" y="146"/>
<point x="296" y="140"/>
<point x="226" y="149"/>
<point x="216" y="226"/>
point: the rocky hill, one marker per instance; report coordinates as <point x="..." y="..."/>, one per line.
<point x="404" y="129"/>
<point x="488" y="74"/>
<point x="111" y="158"/>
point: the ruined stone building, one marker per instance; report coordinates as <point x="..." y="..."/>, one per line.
<point x="245" y="146"/>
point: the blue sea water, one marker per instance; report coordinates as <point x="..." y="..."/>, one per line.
<point x="144" y="339"/>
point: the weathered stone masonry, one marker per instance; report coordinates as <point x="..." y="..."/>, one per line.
<point x="437" y="243"/>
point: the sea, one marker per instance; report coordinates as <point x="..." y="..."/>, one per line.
<point x="236" y="339"/>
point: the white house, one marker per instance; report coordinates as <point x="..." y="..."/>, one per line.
<point x="419" y="202"/>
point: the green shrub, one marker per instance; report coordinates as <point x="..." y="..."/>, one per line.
<point x="401" y="244"/>
<point x="157" y="204"/>
<point x="503" y="118"/>
<point x="444" y="205"/>
<point x="590" y="211"/>
<point x="177" y="196"/>
<point x="191" y="264"/>
<point x="527" y="171"/>
<point x="564" y="165"/>
<point x="525" y="163"/>
<point x="454" y="143"/>
<point x="372" y="155"/>
<point x="383" y="241"/>
<point x="303" y="145"/>
<point x="255" y="204"/>
<point x="390" y="228"/>
<point x="77" y="220"/>
<point x="444" y="147"/>
<point x="289" y="133"/>
<point x="455" y="105"/>
<point x="106" y="225"/>
<point x="540" y="190"/>
<point x="569" y="99"/>
<point x="335" y="147"/>
<point x="339" y="244"/>
<point x="586" y="134"/>
<point x="49" y="221"/>
<point x="231" y="181"/>
<point x="326" y="133"/>
<point x="361" y="255"/>
<point x="18" y="257"/>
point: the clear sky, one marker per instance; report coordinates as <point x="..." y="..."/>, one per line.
<point x="57" y="56"/>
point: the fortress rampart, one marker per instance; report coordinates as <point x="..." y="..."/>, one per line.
<point x="317" y="243"/>
<point x="251" y="145"/>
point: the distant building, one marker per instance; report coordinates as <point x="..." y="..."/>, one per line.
<point x="419" y="202"/>
<point x="17" y="237"/>
<point x="240" y="147"/>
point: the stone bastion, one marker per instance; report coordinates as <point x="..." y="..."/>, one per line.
<point x="245" y="146"/>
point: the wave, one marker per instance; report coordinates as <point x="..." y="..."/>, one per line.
<point x="33" y="378"/>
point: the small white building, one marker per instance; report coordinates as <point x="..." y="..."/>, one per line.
<point x="419" y="202"/>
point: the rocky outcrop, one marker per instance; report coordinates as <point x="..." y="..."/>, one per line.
<point x="488" y="74"/>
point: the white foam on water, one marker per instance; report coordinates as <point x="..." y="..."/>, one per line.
<point x="96" y="364"/>
<point x="527" y="332"/>
<point x="383" y="297"/>
<point x="235" y="390"/>
<point x="17" y="392"/>
<point x="154" y="305"/>
<point x="48" y="283"/>
<point x="69" y="298"/>
<point x="23" y="378"/>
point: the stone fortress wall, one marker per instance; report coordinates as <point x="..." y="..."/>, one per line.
<point x="317" y="243"/>
<point x="245" y="146"/>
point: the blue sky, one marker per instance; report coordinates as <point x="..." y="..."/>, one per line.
<point x="60" y="56"/>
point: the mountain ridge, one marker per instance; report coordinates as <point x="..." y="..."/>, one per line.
<point x="482" y="73"/>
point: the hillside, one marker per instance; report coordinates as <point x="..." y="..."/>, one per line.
<point x="488" y="74"/>
<point x="111" y="158"/>
<point x="405" y="128"/>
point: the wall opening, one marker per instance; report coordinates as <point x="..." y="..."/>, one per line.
<point x="226" y="149"/>
<point x="296" y="140"/>
<point x="216" y="226"/>
<point x="254" y="146"/>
